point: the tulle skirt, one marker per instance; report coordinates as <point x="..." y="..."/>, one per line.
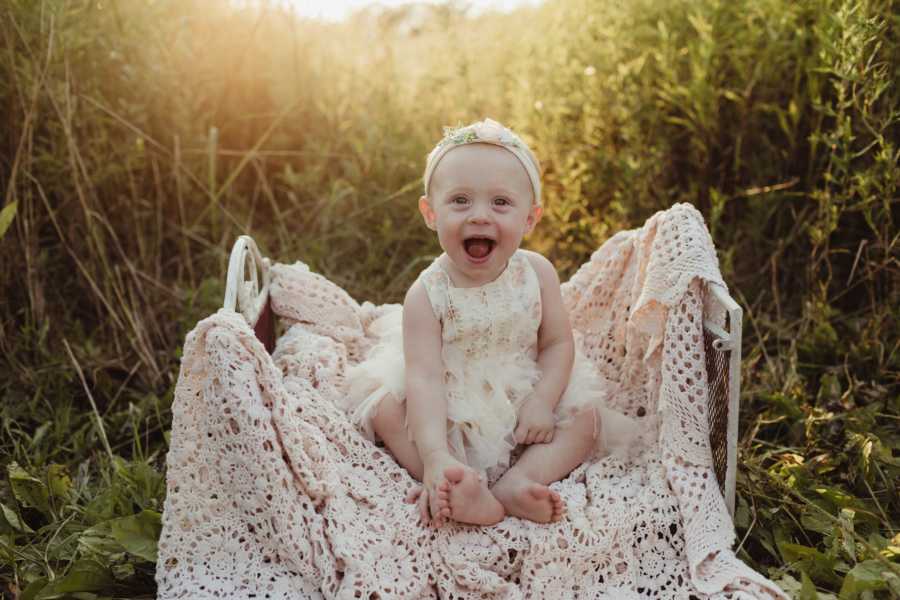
<point x="483" y="397"/>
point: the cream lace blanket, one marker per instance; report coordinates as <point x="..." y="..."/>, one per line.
<point x="273" y="494"/>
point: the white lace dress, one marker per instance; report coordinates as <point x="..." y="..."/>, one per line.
<point x="489" y="338"/>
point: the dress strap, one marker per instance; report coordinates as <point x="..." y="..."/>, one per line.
<point x="436" y="283"/>
<point x="526" y="278"/>
<point x="528" y="268"/>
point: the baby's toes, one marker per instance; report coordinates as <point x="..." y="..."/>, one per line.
<point x="443" y="503"/>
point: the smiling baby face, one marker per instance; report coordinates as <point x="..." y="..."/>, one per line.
<point x="481" y="204"/>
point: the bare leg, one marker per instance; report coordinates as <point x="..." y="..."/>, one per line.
<point x="463" y="496"/>
<point x="389" y="423"/>
<point x="523" y="488"/>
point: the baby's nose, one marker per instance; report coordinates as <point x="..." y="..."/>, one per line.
<point x="479" y="214"/>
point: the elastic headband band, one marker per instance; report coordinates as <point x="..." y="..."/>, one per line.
<point x="486" y="132"/>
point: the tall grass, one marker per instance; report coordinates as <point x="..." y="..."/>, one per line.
<point x="140" y="138"/>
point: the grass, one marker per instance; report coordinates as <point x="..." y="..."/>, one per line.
<point x="139" y="139"/>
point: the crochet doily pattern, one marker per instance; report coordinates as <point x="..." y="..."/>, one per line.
<point x="273" y="493"/>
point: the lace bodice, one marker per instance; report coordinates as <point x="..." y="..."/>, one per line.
<point x="489" y="341"/>
<point x="499" y="318"/>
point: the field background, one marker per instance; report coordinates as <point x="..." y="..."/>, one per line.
<point x="139" y="138"/>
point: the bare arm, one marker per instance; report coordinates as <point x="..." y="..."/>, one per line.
<point x="556" y="346"/>
<point x="425" y="401"/>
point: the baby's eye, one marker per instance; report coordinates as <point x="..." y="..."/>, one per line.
<point x="459" y="200"/>
<point x="501" y="202"/>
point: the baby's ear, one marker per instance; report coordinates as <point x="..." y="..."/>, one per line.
<point x="534" y="216"/>
<point x="427" y="212"/>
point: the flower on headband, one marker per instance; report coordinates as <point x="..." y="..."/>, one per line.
<point x="461" y="135"/>
<point x="494" y="131"/>
<point x="487" y="130"/>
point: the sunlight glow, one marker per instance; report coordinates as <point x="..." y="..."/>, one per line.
<point x="335" y="10"/>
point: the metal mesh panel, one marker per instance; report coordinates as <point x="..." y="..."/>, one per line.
<point x="717" y="374"/>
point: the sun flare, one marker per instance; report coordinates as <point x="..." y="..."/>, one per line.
<point x="335" y="10"/>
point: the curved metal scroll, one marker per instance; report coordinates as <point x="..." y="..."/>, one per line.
<point x="246" y="296"/>
<point x="723" y="368"/>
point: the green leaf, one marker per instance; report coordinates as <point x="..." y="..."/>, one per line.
<point x="813" y="519"/>
<point x="14" y="521"/>
<point x="847" y="528"/>
<point x="891" y="549"/>
<point x="808" y="589"/>
<point x="788" y="405"/>
<point x="138" y="533"/>
<point x="32" y="589"/>
<point x="829" y="388"/>
<point x="6" y="217"/>
<point x="893" y="581"/>
<point x="839" y="498"/>
<point x="123" y="570"/>
<point x="83" y="576"/>
<point x="28" y="490"/>
<point x="866" y="576"/>
<point x="819" y="566"/>
<point x="59" y="482"/>
<point x="97" y="543"/>
<point x="882" y="452"/>
<point x="742" y="514"/>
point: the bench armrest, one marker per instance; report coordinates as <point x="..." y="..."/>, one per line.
<point x="247" y="269"/>
<point x="723" y="366"/>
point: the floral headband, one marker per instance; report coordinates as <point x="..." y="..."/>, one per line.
<point x="486" y="132"/>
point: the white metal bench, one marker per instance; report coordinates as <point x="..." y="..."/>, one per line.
<point x="247" y="292"/>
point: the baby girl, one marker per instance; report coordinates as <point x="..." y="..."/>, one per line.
<point x="484" y="359"/>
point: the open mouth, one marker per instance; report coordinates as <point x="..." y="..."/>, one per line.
<point x="479" y="247"/>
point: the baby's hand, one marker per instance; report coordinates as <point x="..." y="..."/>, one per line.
<point x="434" y="466"/>
<point x="536" y="423"/>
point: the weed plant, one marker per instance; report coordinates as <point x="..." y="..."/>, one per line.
<point x="139" y="139"/>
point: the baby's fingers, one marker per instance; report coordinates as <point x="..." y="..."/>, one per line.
<point x="423" y="507"/>
<point x="413" y="495"/>
<point x="546" y="437"/>
<point x="437" y="518"/>
<point x="538" y="436"/>
<point x="520" y="434"/>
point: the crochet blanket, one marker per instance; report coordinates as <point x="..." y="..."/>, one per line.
<point x="273" y="494"/>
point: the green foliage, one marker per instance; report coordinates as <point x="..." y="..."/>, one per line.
<point x="142" y="137"/>
<point x="7" y="214"/>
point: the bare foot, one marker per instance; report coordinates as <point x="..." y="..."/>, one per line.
<point x="522" y="497"/>
<point x="465" y="497"/>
